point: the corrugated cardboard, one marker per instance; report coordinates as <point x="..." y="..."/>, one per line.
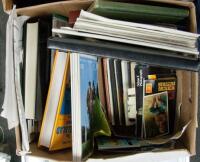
<point x="61" y="7"/>
<point x="188" y="83"/>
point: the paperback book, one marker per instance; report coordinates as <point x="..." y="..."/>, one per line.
<point x="155" y="115"/>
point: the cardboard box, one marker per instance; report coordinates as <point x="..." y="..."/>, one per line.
<point x="187" y="89"/>
<point x="61" y="7"/>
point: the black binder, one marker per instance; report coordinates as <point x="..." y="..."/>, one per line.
<point x="138" y="54"/>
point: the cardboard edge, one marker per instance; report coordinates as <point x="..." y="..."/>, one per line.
<point x="190" y="5"/>
<point x="142" y="157"/>
<point x="194" y="100"/>
<point x="7" y="5"/>
<point x="44" y="9"/>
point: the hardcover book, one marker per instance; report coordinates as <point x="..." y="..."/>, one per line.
<point x="36" y="66"/>
<point x="138" y="12"/>
<point x="126" y="81"/>
<point x="119" y="88"/>
<point x="141" y="72"/>
<point x="107" y="94"/>
<point x="88" y="118"/>
<point x="114" y="92"/>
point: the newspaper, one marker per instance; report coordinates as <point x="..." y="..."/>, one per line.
<point x="13" y="108"/>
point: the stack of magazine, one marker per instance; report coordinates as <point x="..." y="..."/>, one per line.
<point x="185" y="44"/>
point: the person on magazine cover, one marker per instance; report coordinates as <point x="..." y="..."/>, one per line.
<point x="159" y="109"/>
<point x="155" y="112"/>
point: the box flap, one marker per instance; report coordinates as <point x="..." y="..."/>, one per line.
<point x="142" y="157"/>
<point x="61" y="7"/>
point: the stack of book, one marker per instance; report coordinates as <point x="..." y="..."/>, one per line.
<point x="108" y="80"/>
<point x="94" y="26"/>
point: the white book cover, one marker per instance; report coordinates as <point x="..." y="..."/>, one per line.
<point x="125" y="91"/>
<point x="83" y="91"/>
<point x="31" y="69"/>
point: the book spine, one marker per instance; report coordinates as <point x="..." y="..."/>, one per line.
<point x="114" y="92"/>
<point x="132" y="94"/>
<point x="110" y="91"/>
<point x="119" y="87"/>
<point x="142" y="9"/>
<point x="101" y="85"/>
<point x="108" y="106"/>
<point x="140" y="73"/>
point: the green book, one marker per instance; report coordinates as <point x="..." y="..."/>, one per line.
<point x="138" y="12"/>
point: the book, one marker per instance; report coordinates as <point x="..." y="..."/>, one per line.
<point x="107" y="95"/>
<point x="114" y="91"/>
<point x="161" y="83"/>
<point x="37" y="66"/>
<point x="139" y="12"/>
<point x="141" y="72"/>
<point x="155" y="115"/>
<point x="132" y="94"/>
<point x="110" y="92"/>
<point x="126" y="85"/>
<point x="121" y="144"/>
<point x="101" y="85"/>
<point x="55" y="130"/>
<point x="43" y="66"/>
<point x="31" y="52"/>
<point x="91" y="25"/>
<point x="187" y="53"/>
<point x="62" y="131"/>
<point x="88" y="117"/>
<point x="119" y="88"/>
<point x="143" y="55"/>
<point x="59" y="21"/>
<point x="73" y="15"/>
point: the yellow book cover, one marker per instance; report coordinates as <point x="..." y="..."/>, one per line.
<point x="55" y="131"/>
<point x="61" y="135"/>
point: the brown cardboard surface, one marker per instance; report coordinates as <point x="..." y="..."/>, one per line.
<point x="189" y="109"/>
<point x="7" y="4"/>
<point x="62" y="7"/>
<point x="64" y="155"/>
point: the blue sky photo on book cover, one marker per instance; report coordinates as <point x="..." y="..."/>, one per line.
<point x="88" y="92"/>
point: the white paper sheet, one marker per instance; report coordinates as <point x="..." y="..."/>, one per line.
<point x="13" y="108"/>
<point x="10" y="111"/>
